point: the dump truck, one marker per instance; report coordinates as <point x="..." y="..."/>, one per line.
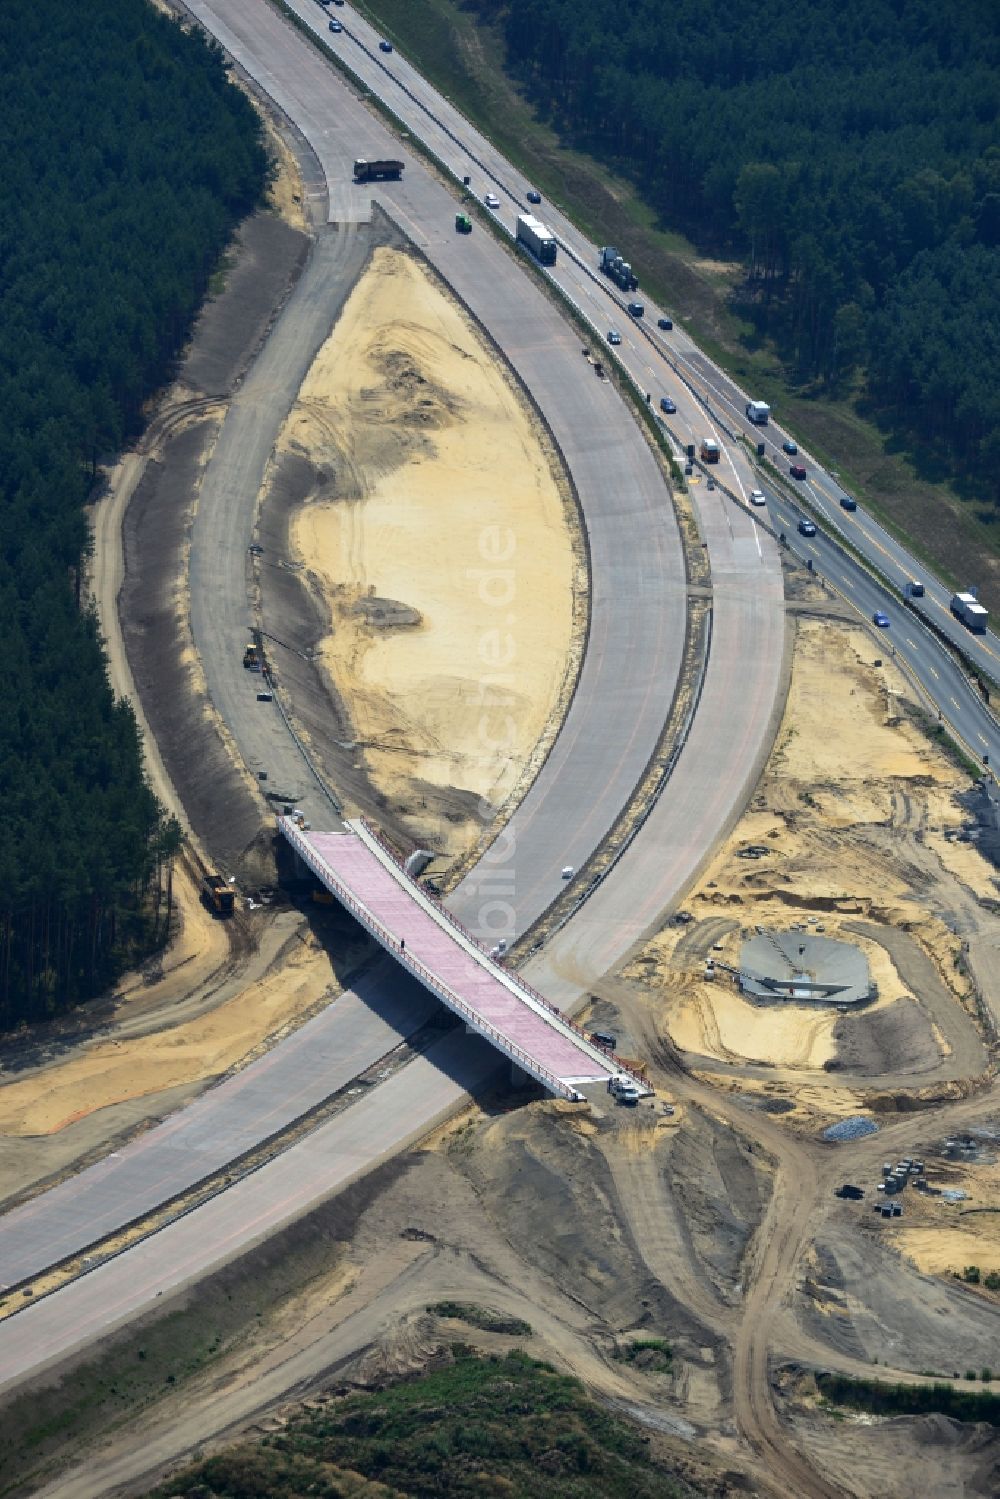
<point x="617" y="269"/>
<point x="967" y="608"/>
<point x="532" y="233"/>
<point x="383" y="170"/>
<point x="709" y="450"/>
<point x="251" y="657"/>
<point x="218" y="896"/>
<point x="463" y="223"/>
<point x="758" y="412"/>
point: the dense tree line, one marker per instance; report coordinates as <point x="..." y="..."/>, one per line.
<point x="913" y="1399"/>
<point x="128" y="158"/>
<point x="850" y="153"/>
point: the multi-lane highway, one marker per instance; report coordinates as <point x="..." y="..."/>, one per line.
<point x="658" y="361"/>
<point x="946" y="685"/>
<point x="636" y="575"/>
<point x="739" y="693"/>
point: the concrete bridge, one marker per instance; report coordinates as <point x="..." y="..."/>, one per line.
<point x="360" y="871"/>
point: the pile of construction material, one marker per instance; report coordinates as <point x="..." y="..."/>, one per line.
<point x="895" y="1179"/>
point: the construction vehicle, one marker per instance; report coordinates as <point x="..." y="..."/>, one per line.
<point x="219" y="897"/>
<point x="625" y="1090"/>
<point x="532" y="233"/>
<point x="758" y="412"/>
<point x="463" y="223"/>
<point x="383" y="170"/>
<point x="967" y="608"/>
<point x="709" y="450"/>
<point x="618" y="270"/>
<point x="251" y="657"/>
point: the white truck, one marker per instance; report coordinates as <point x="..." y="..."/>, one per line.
<point x="533" y="233"/>
<point x="625" y="1089"/>
<point x="967" y="608"/>
<point x="758" y="413"/>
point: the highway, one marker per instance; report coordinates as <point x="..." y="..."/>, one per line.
<point x="947" y="687"/>
<point x="655" y="359"/>
<point x="598" y="756"/>
<point x="740" y="697"/>
<point x="633" y="653"/>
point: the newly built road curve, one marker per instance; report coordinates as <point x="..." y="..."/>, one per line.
<point x="621" y="702"/>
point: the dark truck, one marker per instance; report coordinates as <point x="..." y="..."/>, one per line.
<point x="617" y="269"/>
<point x="218" y="896"/>
<point x="377" y="171"/>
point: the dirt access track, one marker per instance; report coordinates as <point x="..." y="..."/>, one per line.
<point x="711" y="1227"/>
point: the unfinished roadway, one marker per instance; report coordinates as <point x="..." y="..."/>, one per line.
<point x="633" y="654"/>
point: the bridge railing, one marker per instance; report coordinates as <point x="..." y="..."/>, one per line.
<point x="431" y="980"/>
<point x="378" y="837"/>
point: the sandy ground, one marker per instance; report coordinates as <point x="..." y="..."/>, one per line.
<point x="441" y="537"/>
<point x="940" y="1237"/>
<point x="110" y="1072"/>
<point x="848" y="770"/>
<point x="604" y="1226"/>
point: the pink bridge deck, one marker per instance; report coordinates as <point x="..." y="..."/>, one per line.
<point x="428" y="942"/>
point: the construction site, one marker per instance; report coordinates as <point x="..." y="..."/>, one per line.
<point x="805" y="1177"/>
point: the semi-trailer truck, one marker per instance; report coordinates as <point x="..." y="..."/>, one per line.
<point x="967" y="608"/>
<point x="620" y="272"/>
<point x="533" y="233"/>
<point x="377" y="171"/>
<point x="758" y="412"/>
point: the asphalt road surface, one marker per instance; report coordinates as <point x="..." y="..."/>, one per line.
<point x="663" y="362"/>
<point x="635" y="557"/>
<point x="628" y="681"/>
<point x="747" y="583"/>
<point x="947" y="686"/>
<point x="382" y="1122"/>
<point x="222" y="533"/>
<point x="316" y="1061"/>
<point x="353" y="1141"/>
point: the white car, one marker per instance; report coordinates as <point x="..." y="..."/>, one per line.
<point x="491" y="200"/>
<point x="758" y="497"/>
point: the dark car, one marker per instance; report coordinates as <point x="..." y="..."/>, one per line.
<point x="534" y="197"/>
<point x="385" y="46"/>
<point x="880" y="619"/>
<point x="664" y="323"/>
<point x="807" y="527"/>
<point x="796" y="470"/>
<point x="790" y="448"/>
<point x="667" y="405"/>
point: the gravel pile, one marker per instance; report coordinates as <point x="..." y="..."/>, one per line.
<point x="850" y="1129"/>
